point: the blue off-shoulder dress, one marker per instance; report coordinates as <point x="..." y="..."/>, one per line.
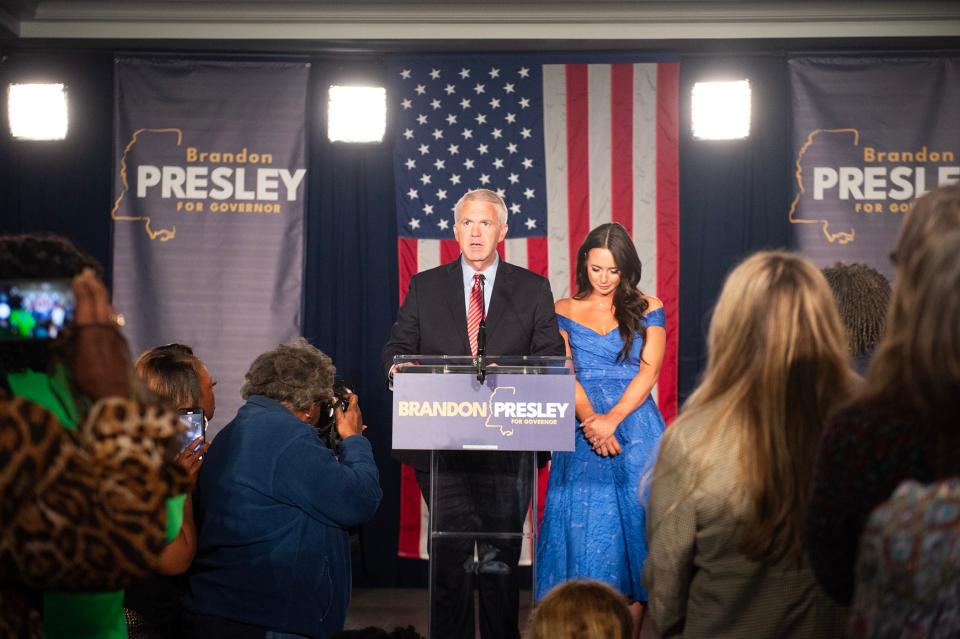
<point x="594" y="523"/>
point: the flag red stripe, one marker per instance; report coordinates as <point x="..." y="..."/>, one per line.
<point x="668" y="227"/>
<point x="449" y="251"/>
<point x="538" y="259"/>
<point x="621" y="144"/>
<point x="543" y="479"/>
<point x="407" y="262"/>
<point x="578" y="162"/>
<point x="501" y="249"/>
<point x="409" y="541"/>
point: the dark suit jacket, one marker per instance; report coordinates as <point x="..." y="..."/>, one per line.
<point x="433" y="321"/>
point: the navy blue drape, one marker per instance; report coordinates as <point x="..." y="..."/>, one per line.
<point x="351" y="293"/>
<point x="734" y="195"/>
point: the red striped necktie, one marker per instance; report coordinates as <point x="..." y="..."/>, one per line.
<point x="475" y="313"/>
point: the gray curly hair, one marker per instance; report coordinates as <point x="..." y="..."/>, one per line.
<point x="296" y="374"/>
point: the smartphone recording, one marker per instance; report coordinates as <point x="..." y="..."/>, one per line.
<point x="193" y="419"/>
<point x="35" y="309"/>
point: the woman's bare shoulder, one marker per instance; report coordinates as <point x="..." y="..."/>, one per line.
<point x="564" y="306"/>
<point x="653" y="303"/>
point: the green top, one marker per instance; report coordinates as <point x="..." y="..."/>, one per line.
<point x="89" y="615"/>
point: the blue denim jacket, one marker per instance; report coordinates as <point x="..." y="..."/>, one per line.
<point x="273" y="505"/>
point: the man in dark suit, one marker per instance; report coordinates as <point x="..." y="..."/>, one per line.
<point x="475" y="490"/>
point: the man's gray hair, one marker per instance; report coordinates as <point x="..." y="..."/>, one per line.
<point x="482" y="195"/>
<point x="296" y="374"/>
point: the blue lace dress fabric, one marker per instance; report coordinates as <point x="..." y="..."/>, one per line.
<point x="594" y="522"/>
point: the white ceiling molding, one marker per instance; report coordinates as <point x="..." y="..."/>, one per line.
<point x="458" y="20"/>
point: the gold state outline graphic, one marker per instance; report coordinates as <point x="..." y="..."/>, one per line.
<point x="163" y="235"/>
<point x="843" y="237"/>
<point x="513" y="390"/>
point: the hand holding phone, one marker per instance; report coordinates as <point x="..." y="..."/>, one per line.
<point x="196" y="425"/>
<point x="193" y="441"/>
<point x="100" y="357"/>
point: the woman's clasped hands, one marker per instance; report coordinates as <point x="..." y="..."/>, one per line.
<point x="600" y="430"/>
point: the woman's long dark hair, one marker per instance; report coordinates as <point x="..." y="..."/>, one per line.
<point x="628" y="303"/>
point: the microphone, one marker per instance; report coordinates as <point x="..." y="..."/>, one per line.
<point x="482" y="332"/>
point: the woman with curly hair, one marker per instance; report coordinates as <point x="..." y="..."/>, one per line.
<point x="274" y="504"/>
<point x="593" y="523"/>
<point x="862" y="295"/>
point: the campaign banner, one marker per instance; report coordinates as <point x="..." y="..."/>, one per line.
<point x="506" y="412"/>
<point x="209" y="185"/>
<point x="869" y="135"/>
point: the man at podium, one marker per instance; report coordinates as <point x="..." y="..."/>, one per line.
<point x="442" y="315"/>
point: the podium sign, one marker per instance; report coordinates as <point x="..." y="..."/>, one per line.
<point x="505" y="412"/>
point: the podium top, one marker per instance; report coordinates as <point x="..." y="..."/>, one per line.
<point x="494" y="364"/>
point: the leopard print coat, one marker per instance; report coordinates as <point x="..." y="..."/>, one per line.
<point x="81" y="510"/>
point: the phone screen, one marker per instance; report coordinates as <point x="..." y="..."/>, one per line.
<point x="35" y="309"/>
<point x="192" y="418"/>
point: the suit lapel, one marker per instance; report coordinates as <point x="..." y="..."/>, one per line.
<point x="453" y="293"/>
<point x="500" y="300"/>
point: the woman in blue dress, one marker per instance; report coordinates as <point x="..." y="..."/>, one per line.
<point x="593" y="523"/>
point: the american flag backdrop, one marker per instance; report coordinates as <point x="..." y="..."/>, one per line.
<point x="569" y="147"/>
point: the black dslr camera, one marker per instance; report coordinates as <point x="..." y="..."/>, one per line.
<point x="327" y="425"/>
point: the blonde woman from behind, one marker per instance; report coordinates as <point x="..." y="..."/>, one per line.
<point x="727" y="504"/>
<point x="582" y="609"/>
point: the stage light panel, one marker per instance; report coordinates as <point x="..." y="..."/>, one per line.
<point x="357" y="114"/>
<point x="37" y="111"/>
<point x="721" y="110"/>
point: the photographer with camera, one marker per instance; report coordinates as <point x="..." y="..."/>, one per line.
<point x="327" y="422"/>
<point x="273" y="503"/>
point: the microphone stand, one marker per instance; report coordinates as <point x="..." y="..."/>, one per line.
<point x="482" y="334"/>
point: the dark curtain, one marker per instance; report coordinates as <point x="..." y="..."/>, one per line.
<point x="734" y="195"/>
<point x="350" y="290"/>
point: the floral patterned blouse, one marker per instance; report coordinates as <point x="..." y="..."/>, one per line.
<point x="908" y="569"/>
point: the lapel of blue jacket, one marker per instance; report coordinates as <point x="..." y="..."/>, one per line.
<point x="453" y="293"/>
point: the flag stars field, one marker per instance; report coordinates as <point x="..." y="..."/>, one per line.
<point x="504" y="141"/>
